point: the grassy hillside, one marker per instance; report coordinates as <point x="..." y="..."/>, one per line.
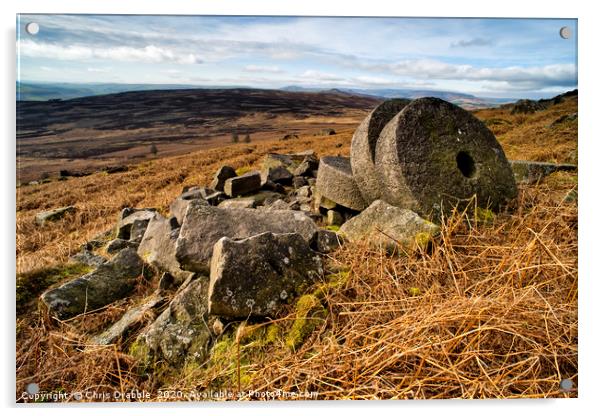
<point x="489" y="311"/>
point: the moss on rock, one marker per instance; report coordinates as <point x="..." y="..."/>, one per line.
<point x="309" y="314"/>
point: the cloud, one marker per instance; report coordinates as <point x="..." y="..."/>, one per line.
<point x="533" y="77"/>
<point x="472" y="42"/>
<point x="101" y="70"/>
<point x="147" y="54"/>
<point x="263" y="68"/>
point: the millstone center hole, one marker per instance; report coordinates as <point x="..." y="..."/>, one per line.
<point x="466" y="164"/>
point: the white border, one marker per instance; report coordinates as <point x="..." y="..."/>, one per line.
<point x="589" y="182"/>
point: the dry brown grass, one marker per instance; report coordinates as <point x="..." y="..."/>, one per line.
<point x="489" y="311"/>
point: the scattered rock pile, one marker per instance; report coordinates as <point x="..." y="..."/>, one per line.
<point x="249" y="244"/>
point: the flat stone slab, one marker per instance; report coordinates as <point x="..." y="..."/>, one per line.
<point x="530" y="172"/>
<point x="244" y="184"/>
<point x="112" y="280"/>
<point x="132" y="223"/>
<point x="86" y="257"/>
<point x="434" y="155"/>
<point x="290" y="161"/>
<point x="53" y="215"/>
<point x="277" y="174"/>
<point x="335" y="182"/>
<point x="363" y="147"/>
<point x="204" y="225"/>
<point x="132" y="318"/>
<point x="181" y="333"/>
<point x="222" y="174"/>
<point x="158" y="247"/>
<point x="255" y="276"/>
<point x="387" y="226"/>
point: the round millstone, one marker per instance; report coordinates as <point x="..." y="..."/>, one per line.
<point x="335" y="182"/>
<point x="363" y="147"/>
<point x="434" y="155"/>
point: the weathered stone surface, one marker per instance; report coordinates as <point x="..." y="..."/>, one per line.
<point x="299" y="182"/>
<point x="203" y="226"/>
<point x="335" y="182"/>
<point x="434" y="155"/>
<point x="131" y="319"/>
<point x="256" y="275"/>
<point x="387" y="226"/>
<point x="290" y="161"/>
<point x="277" y="174"/>
<point x="304" y="191"/>
<point x="158" y="247"/>
<point x="111" y="281"/>
<point x="276" y="205"/>
<point x="180" y="204"/>
<point x="224" y="173"/>
<point x="363" y="147"/>
<point x="88" y="258"/>
<point x="334" y="217"/>
<point x="54" y="214"/>
<point x="273" y="187"/>
<point x="237" y="203"/>
<point x="244" y="184"/>
<point x="181" y="333"/>
<point x="326" y="241"/>
<point x="322" y="202"/>
<point x="529" y="106"/>
<point x="137" y="230"/>
<point x="128" y="217"/>
<point x="118" y="244"/>
<point x="307" y="167"/>
<point x="530" y="172"/>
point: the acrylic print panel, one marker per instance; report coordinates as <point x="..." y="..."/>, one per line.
<point x="295" y="208"/>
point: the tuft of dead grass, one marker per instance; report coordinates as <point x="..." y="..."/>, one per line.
<point x="495" y="317"/>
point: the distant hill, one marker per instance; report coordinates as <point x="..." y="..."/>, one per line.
<point x="33" y="91"/>
<point x="467" y="101"/>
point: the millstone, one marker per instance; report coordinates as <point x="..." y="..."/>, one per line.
<point x="363" y="147"/>
<point x="433" y="155"/>
<point x="335" y="182"/>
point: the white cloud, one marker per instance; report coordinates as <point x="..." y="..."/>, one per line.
<point x="263" y="68"/>
<point x="96" y="69"/>
<point x="535" y="77"/>
<point x="148" y="54"/>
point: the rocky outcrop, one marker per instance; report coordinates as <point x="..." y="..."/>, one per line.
<point x="325" y="241"/>
<point x="253" y="277"/>
<point x="88" y="258"/>
<point x="132" y="223"/>
<point x="335" y="182"/>
<point x="531" y="172"/>
<point x="277" y="174"/>
<point x="224" y="173"/>
<point x="388" y="226"/>
<point x="111" y="281"/>
<point x="54" y="214"/>
<point x="158" y="247"/>
<point x="244" y="184"/>
<point x="133" y="318"/>
<point x="181" y="332"/>
<point x="204" y="225"/>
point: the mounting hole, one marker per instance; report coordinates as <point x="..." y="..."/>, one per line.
<point x="466" y="164"/>
<point x="32" y="28"/>
<point x="565" y="32"/>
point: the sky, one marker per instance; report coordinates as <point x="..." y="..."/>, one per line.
<point x="486" y="57"/>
